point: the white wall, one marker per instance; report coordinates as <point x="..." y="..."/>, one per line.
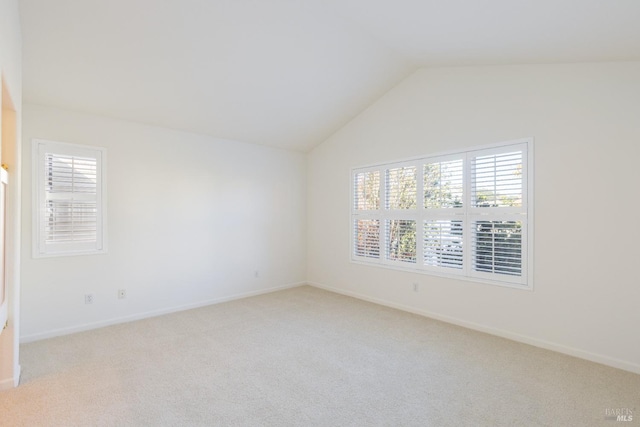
<point x="586" y="123"/>
<point x="11" y="72"/>
<point x="190" y="220"/>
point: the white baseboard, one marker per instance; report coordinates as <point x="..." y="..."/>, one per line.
<point x="138" y="316"/>
<point x="582" y="354"/>
<point x="10" y="383"/>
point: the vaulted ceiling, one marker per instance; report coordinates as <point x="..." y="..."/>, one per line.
<point x="289" y="73"/>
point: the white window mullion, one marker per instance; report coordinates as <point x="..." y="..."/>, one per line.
<point x="381" y="212"/>
<point x="420" y="215"/>
<point x="525" y="251"/>
<point x="100" y="167"/>
<point x="467" y="206"/>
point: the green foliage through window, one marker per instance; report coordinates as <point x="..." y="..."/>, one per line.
<point x="401" y="238"/>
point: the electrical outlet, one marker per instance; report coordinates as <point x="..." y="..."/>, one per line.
<point x="416" y="287"/>
<point x="122" y="293"/>
<point x="88" y="299"/>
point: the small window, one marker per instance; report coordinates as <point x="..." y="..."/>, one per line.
<point x="70" y="199"/>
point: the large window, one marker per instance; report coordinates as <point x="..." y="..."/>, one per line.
<point x="69" y="199"/>
<point x="464" y="214"/>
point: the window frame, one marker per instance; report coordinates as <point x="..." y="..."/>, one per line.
<point x="40" y="147"/>
<point x="4" y="297"/>
<point x="467" y="215"/>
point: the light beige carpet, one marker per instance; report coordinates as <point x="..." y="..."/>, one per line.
<point x="307" y="357"/>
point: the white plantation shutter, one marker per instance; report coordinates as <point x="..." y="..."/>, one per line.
<point x="443" y="244"/>
<point x="499" y="215"/>
<point x="367" y="190"/>
<point x="464" y="214"/>
<point x="443" y="222"/>
<point x="400" y="188"/>
<point x="70" y="194"/>
<point x="443" y="184"/>
<point x="497" y="247"/>
<point x="496" y="179"/>
<point x="70" y="198"/>
<point x="367" y="238"/>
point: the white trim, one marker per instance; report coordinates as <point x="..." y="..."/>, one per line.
<point x="531" y="217"/>
<point x="10" y="383"/>
<point x="153" y="313"/>
<point x="536" y="342"/>
<point x="413" y="268"/>
<point x="38" y="247"/>
<point x="4" y="280"/>
<point x="4" y="312"/>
